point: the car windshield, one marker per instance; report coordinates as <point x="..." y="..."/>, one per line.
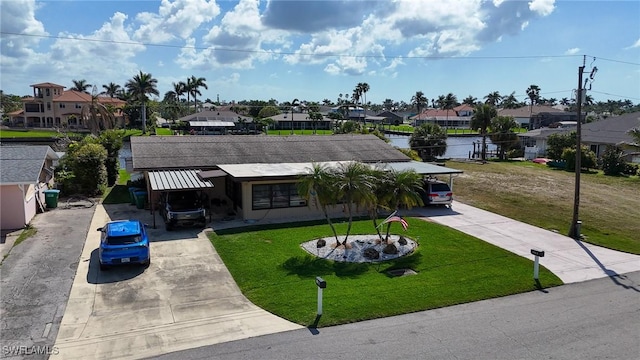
<point x="439" y="187"/>
<point x="123" y="240"/>
<point x="184" y="200"/>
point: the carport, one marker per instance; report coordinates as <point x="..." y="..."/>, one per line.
<point x="176" y="180"/>
<point x="425" y="169"/>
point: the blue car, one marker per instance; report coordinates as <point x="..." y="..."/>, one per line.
<point x="124" y="242"/>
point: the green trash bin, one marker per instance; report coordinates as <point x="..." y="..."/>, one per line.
<point x="132" y="196"/>
<point x="141" y="198"/>
<point x="51" y="198"/>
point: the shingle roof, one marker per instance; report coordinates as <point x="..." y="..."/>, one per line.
<point x="193" y="152"/>
<point x="23" y="164"/>
<point x="221" y="115"/>
<point x="611" y="130"/>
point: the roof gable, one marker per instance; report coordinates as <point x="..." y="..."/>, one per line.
<point x="611" y="130"/>
<point x="193" y="152"/>
<point x="23" y="164"/>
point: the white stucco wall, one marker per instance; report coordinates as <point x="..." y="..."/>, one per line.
<point x="12" y="208"/>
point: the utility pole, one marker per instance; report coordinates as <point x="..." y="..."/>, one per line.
<point x="574" y="230"/>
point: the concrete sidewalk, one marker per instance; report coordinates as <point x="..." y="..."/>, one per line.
<point x="572" y="261"/>
<point x="185" y="299"/>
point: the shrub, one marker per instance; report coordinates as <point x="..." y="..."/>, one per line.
<point x="558" y="142"/>
<point x="612" y="162"/>
<point x="587" y="160"/>
<point x="89" y="168"/>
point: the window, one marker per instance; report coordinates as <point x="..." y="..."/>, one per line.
<point x="62" y="106"/>
<point x="32" y="107"/>
<point x="48" y="104"/>
<point x="78" y="106"/>
<point x="274" y="196"/>
<point x="47" y="92"/>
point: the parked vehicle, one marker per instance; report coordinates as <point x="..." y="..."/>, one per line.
<point x="436" y="192"/>
<point x="123" y="242"/>
<point x="183" y="208"/>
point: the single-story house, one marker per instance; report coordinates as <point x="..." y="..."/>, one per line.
<point x="534" y="142"/>
<point x="255" y="176"/>
<point x="299" y="121"/>
<point x="537" y="116"/>
<point x="611" y="131"/>
<point x="26" y="171"/>
<point x="391" y="118"/>
<point x="444" y="118"/>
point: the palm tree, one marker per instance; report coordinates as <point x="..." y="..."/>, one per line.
<point x="502" y="135"/>
<point x="194" y="88"/>
<point x="354" y="186"/>
<point x="96" y="116"/>
<point x="364" y="88"/>
<point x="419" y="101"/>
<point x="493" y="98"/>
<point x="448" y="102"/>
<point x="294" y="103"/>
<point x="533" y="92"/>
<point x="635" y="138"/>
<point x="510" y="101"/>
<point x="317" y="186"/>
<point x="470" y="100"/>
<point x="80" y="85"/>
<point x="480" y="121"/>
<point x="403" y="189"/>
<point x="564" y="101"/>
<point x="111" y="89"/>
<point x="429" y="141"/>
<point x="356" y="97"/>
<point x="139" y="86"/>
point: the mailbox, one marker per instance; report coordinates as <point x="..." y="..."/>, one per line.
<point x="320" y="282"/>
<point x="537" y="252"/>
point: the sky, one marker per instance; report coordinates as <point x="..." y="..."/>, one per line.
<point x="315" y="50"/>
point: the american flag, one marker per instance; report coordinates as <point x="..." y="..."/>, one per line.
<point x="395" y="218"/>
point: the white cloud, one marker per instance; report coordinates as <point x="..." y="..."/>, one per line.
<point x="18" y="17"/>
<point x="542" y="7"/>
<point x="572" y="51"/>
<point x="635" y="45"/>
<point x="179" y="18"/>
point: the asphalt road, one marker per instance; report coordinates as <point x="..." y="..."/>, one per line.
<point x="597" y="319"/>
<point x="36" y="279"/>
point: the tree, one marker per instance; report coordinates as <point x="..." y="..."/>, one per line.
<point x="533" y="92"/>
<point x="587" y="158"/>
<point x="511" y="102"/>
<point x="354" y="187"/>
<point x="82" y="169"/>
<point x="613" y="162"/>
<point x="139" y="86"/>
<point x="111" y="89"/>
<point x="80" y="85"/>
<point x="364" y="88"/>
<point x="470" y="100"/>
<point x="502" y="135"/>
<point x="294" y="103"/>
<point x="194" y="84"/>
<point x="357" y="92"/>
<point x="493" y="98"/>
<point x="317" y="187"/>
<point x="480" y="121"/>
<point x="315" y="118"/>
<point x="96" y="116"/>
<point x="429" y="140"/>
<point x="635" y="138"/>
<point x="268" y="111"/>
<point x="447" y="103"/>
<point x="419" y="101"/>
<point x="9" y="103"/>
<point x="402" y="190"/>
<point x="388" y="105"/>
<point x="111" y="140"/>
<point x="556" y="143"/>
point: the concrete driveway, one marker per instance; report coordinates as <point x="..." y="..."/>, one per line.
<point x="185" y="299"/>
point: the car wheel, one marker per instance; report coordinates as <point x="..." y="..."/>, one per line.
<point x="147" y="263"/>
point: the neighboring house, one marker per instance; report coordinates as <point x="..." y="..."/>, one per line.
<point x="611" y="131"/>
<point x="255" y="176"/>
<point x="444" y="118"/>
<point x="537" y="116"/>
<point x="220" y="121"/>
<point x="391" y="118"/>
<point x="534" y="142"/>
<point x="300" y="121"/>
<point x="53" y="107"/>
<point x="25" y="172"/>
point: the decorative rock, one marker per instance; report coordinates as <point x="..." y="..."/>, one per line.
<point x="371" y="253"/>
<point x="402" y="241"/>
<point x="390" y="249"/>
<point x="321" y="243"/>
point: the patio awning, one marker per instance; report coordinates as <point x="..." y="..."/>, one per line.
<point x="171" y="180"/>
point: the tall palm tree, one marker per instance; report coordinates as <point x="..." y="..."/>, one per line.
<point x="294" y="103"/>
<point x="80" y="85"/>
<point x="317" y="186"/>
<point x="356" y="97"/>
<point x="194" y="85"/>
<point x="354" y="186"/>
<point x="481" y="120"/>
<point x="448" y="102"/>
<point x="139" y="86"/>
<point x="419" y="101"/>
<point x="111" y="89"/>
<point x="364" y="88"/>
<point x="470" y="100"/>
<point x="493" y="98"/>
<point x="533" y="92"/>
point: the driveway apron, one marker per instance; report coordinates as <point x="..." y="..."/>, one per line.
<point x="185" y="299"/>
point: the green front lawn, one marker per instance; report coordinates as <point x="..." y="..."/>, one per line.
<point x="276" y="274"/>
<point x="15" y="133"/>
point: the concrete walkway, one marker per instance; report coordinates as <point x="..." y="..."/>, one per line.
<point x="185" y="299"/>
<point x="572" y="261"/>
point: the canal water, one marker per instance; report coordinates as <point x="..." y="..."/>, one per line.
<point x="458" y="147"/>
